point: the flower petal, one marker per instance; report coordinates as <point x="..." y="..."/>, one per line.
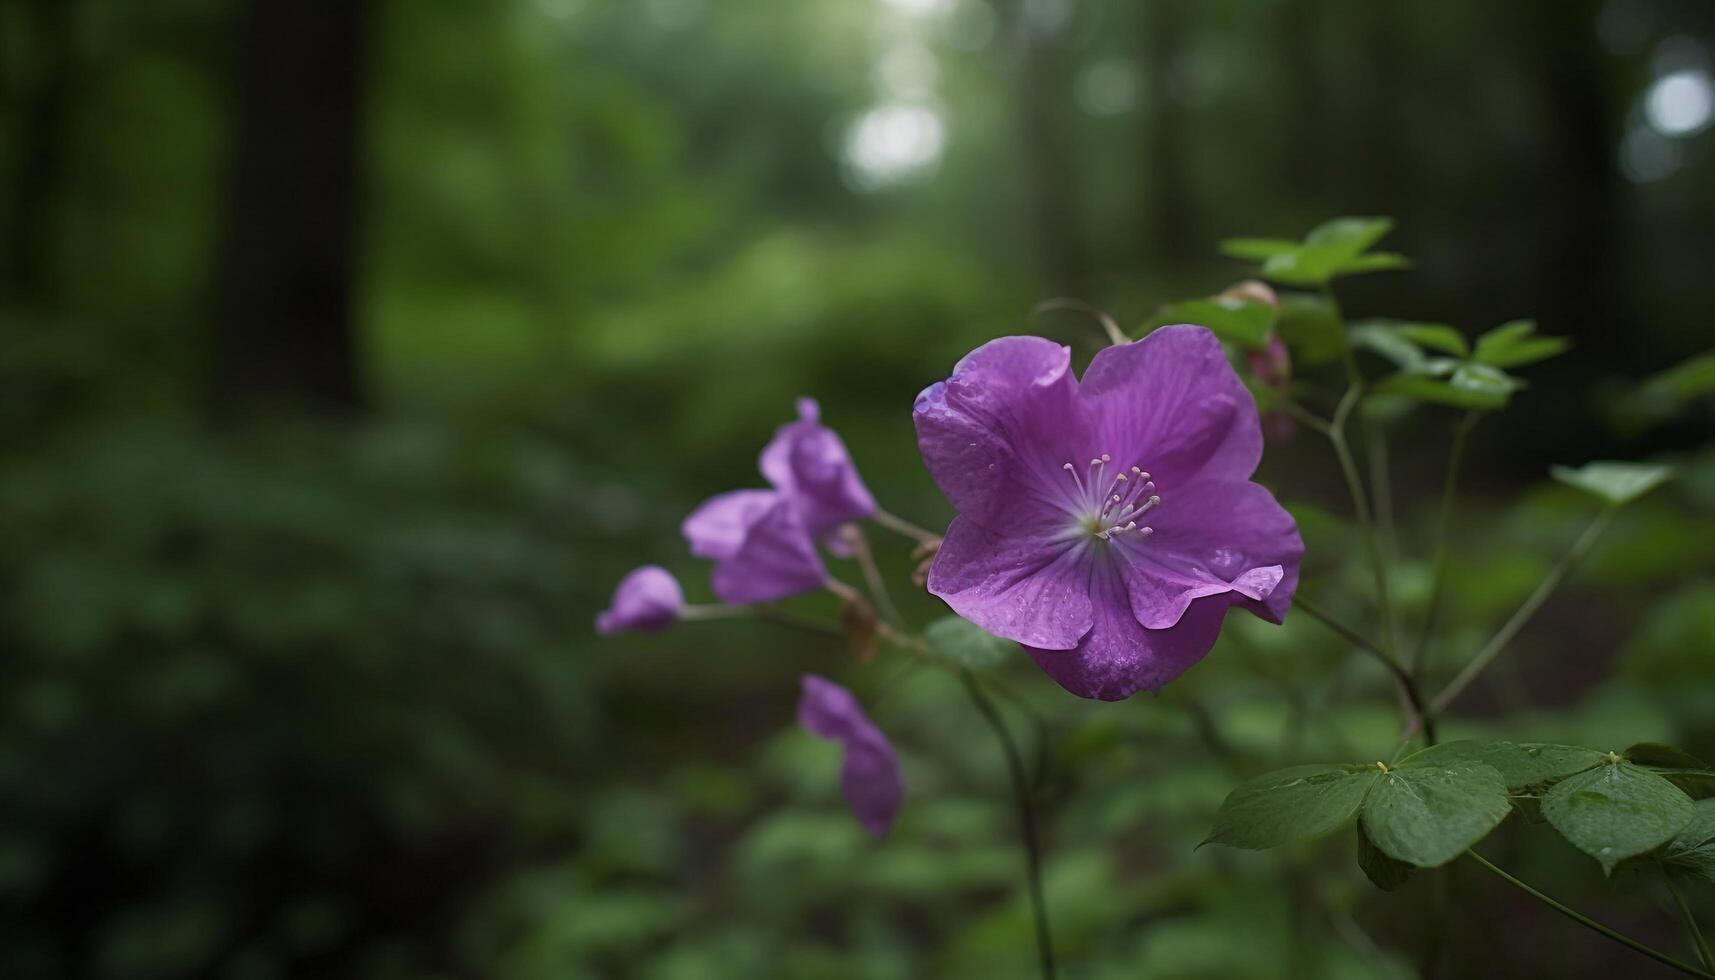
<point x="997" y="424"/>
<point x="1171" y="404"/>
<point x="776" y="559"/>
<point x="716" y="529"/>
<point x="1119" y="657"/>
<point x="1028" y="587"/>
<point x="649" y="599"/>
<point x="1211" y="539"/>
<point x="870" y="777"/>
<point x="807" y="461"/>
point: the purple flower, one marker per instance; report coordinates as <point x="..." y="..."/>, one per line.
<point x="759" y="544"/>
<point x="869" y="774"/>
<point x="1106" y="524"/>
<point x="807" y="462"/>
<point x="647" y="599"/>
<point x="1272" y="365"/>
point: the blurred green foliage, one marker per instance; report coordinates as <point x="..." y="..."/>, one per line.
<point x="318" y="698"/>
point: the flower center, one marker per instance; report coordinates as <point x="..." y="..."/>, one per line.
<point x="1106" y="506"/>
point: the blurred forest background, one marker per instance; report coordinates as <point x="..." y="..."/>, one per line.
<point x="353" y="350"/>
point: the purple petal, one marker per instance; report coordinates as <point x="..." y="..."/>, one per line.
<point x="807" y="462"/>
<point x="1171" y="404"/>
<point x="776" y="558"/>
<point x="1120" y="657"/>
<point x="716" y="529"/>
<point x="998" y="425"/>
<point x="1211" y="539"/>
<point x="1031" y="588"/>
<point x="649" y="599"/>
<point x="870" y="777"/>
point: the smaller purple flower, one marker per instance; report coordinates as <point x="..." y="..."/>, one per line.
<point x="759" y="544"/>
<point x="648" y="599"/>
<point x="870" y="777"/>
<point x="807" y="462"/>
<point x="1272" y="365"/>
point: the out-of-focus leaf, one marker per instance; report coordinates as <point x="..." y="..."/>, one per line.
<point x="1256" y="249"/>
<point x="1523" y="765"/>
<point x="1663" y="756"/>
<point x="1245" y="322"/>
<point x="1693" y="848"/>
<point x="1464" y="389"/>
<point x="1350" y="235"/>
<point x="1290" y="805"/>
<point x="1427" y="814"/>
<point x="961" y="643"/>
<point x="1512" y="345"/>
<point x="1380" y="337"/>
<point x="1617" y="811"/>
<point x="1311" y="329"/>
<point x="1435" y="336"/>
<point x="1332" y="249"/>
<point x="1373" y="262"/>
<point x="1617" y="483"/>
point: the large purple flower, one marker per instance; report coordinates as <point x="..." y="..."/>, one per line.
<point x="761" y="548"/>
<point x="648" y="599"/>
<point x="869" y="774"/>
<point x="1106" y="524"/>
<point x="807" y="462"/>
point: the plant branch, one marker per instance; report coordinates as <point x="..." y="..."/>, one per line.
<point x="1443" y="528"/>
<point x="1702" y="944"/>
<point x="1410" y="695"/>
<point x="872" y="575"/>
<point x="900" y="525"/>
<point x="1116" y="336"/>
<point x="1592" y="924"/>
<point x="1026" y="820"/>
<point x="1522" y="615"/>
<point x="1361" y="509"/>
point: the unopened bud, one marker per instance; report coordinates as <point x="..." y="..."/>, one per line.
<point x="1254" y="290"/>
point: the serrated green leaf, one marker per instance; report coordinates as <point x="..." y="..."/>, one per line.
<point x="1384" y="872"/>
<point x="1291" y="805"/>
<point x="961" y="643"/>
<point x="1427" y="815"/>
<point x="1512" y="345"/>
<point x="1256" y="249"/>
<point x="1310" y="329"/>
<point x="1245" y="322"/>
<point x="1523" y="765"/>
<point x="1616" y="811"/>
<point x="1617" y="483"/>
<point x="1693" y="848"/>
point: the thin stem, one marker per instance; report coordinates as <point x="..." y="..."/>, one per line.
<point x="1361" y="509"/>
<point x="872" y="575"/>
<point x="1443" y="530"/>
<point x="1589" y="923"/>
<point x="900" y="525"/>
<point x="1116" y="336"/>
<point x="1410" y="695"/>
<point x="1499" y="641"/>
<point x="1305" y="416"/>
<point x="1026" y="820"/>
<point x="1702" y="944"/>
<point x="766" y="614"/>
<point x="1381" y="485"/>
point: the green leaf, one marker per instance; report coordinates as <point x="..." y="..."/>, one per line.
<point x="1245" y="322"/>
<point x="1350" y="235"/>
<point x="961" y="643"/>
<point x="1373" y="262"/>
<point x="1511" y="345"/>
<point x="1291" y="804"/>
<point x="1302" y="266"/>
<point x="1427" y="815"/>
<point x="1523" y="766"/>
<point x="1256" y="249"/>
<point x="1311" y="329"/>
<point x="1386" y="339"/>
<point x="1617" y="811"/>
<point x="1617" y="483"/>
<point x="1463" y="390"/>
<point x="1384" y="872"/>
<point x="1435" y="336"/>
<point x="1693" y="848"/>
<point x="1663" y="757"/>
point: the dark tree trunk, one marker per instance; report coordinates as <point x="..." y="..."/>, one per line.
<point x="1050" y="176"/>
<point x="44" y="99"/>
<point x="283" y="330"/>
<point x="1167" y="193"/>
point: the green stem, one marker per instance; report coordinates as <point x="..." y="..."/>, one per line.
<point x="1443" y="529"/>
<point x="1410" y="695"/>
<point x="900" y="525"/>
<point x="1504" y="636"/>
<point x="778" y="617"/>
<point x="872" y="575"/>
<point x="1381" y="486"/>
<point x="1703" y="952"/>
<point x="1361" y="509"/>
<point x="1026" y="820"/>
<point x="1589" y="923"/>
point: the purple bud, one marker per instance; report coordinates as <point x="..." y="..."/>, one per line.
<point x="870" y="777"/>
<point x="648" y="599"/>
<point x="807" y="462"/>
